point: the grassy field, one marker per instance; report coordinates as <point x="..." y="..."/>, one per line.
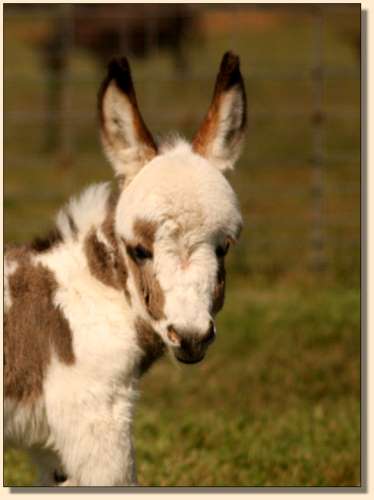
<point x="275" y="403"/>
<point x="277" y="400"/>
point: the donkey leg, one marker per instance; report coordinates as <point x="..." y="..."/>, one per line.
<point x="94" y="443"/>
<point x="102" y="456"/>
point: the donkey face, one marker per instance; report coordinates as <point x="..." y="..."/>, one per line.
<point x="177" y="214"/>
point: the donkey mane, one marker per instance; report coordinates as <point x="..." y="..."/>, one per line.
<point x="88" y="210"/>
<point x="84" y="212"/>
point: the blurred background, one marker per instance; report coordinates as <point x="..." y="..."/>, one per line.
<point x="277" y="400"/>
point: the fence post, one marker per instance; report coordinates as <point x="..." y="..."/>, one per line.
<point x="318" y="258"/>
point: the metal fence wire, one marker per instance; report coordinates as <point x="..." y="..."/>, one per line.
<point x="299" y="176"/>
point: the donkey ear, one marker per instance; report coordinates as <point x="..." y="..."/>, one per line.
<point x="127" y="142"/>
<point x="221" y="133"/>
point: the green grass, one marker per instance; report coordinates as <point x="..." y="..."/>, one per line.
<point x="275" y="403"/>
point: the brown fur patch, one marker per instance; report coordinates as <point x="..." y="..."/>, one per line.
<point x="229" y="76"/>
<point x="121" y="179"/>
<point x="100" y="260"/>
<point x="219" y="291"/>
<point x="119" y="261"/>
<point x="148" y="286"/>
<point x="108" y="224"/>
<point x="145" y="231"/>
<point x="43" y="244"/>
<point x="150" y="343"/>
<point x="33" y="326"/>
<point x="15" y="253"/>
<point x="106" y="263"/>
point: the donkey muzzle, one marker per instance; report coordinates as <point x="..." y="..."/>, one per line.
<point x="190" y="347"/>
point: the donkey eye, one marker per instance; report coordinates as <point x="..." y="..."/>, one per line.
<point x="222" y="250"/>
<point x="141" y="253"/>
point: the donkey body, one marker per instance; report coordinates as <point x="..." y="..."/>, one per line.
<point x="126" y="274"/>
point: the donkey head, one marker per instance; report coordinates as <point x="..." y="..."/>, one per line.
<point x="176" y="214"/>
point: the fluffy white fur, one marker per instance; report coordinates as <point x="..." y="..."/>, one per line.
<point x="195" y="209"/>
<point x="86" y="410"/>
<point x="82" y="422"/>
<point x="86" y="406"/>
<point x="88" y="210"/>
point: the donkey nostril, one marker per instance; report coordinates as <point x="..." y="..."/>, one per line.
<point x="173" y="335"/>
<point x="210" y="335"/>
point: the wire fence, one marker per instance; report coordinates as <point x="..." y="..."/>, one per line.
<point x="301" y="168"/>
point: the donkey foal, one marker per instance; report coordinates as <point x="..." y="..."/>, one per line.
<point x="124" y="276"/>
